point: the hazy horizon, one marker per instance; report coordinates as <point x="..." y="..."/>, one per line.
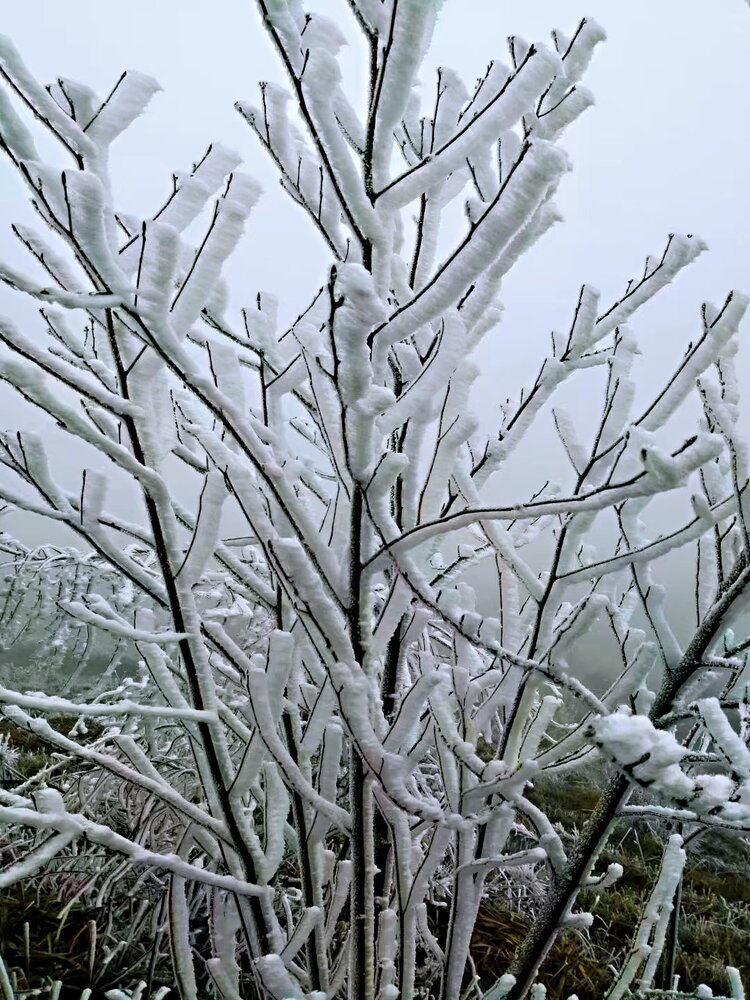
<point x="664" y="149"/>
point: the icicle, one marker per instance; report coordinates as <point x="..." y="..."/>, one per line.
<point x="87" y="201"/>
<point x="661" y="902"/>
<point x="118" y="626"/>
<point x="278" y="668"/>
<point x="159" y="252"/>
<point x="538" y="729"/>
<point x="388" y="937"/>
<point x="422" y="396"/>
<point x="551" y="123"/>
<point x="397" y="604"/>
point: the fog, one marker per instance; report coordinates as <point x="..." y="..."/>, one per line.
<point x="665" y="149"/>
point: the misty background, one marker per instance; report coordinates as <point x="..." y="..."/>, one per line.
<point x="665" y="149"/>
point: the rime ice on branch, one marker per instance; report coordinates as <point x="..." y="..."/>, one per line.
<point x="326" y="669"/>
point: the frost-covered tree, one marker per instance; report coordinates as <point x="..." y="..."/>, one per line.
<point x="335" y="742"/>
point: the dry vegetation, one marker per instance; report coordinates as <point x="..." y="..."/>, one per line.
<point x="103" y="927"/>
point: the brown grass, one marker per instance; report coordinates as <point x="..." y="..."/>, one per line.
<point x="714" y="928"/>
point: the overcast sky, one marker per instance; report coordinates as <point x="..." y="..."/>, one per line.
<point x="666" y="148"/>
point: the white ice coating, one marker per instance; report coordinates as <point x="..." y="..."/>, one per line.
<point x="14" y="131"/>
<point x="227" y="227"/>
<point x="717" y="337"/>
<point x="410" y="34"/>
<point x="314" y="628"/>
<point x="651" y="934"/>
<point x="61" y="124"/>
<point x="128" y="99"/>
<point x="501" y="112"/>
<point x="578" y="52"/>
<point x="541" y="167"/>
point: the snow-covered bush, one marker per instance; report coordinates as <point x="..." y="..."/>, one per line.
<point x="301" y="744"/>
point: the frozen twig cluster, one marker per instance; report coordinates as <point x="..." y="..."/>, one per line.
<point x="302" y="741"/>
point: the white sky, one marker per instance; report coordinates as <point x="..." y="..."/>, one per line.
<point x="667" y="147"/>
